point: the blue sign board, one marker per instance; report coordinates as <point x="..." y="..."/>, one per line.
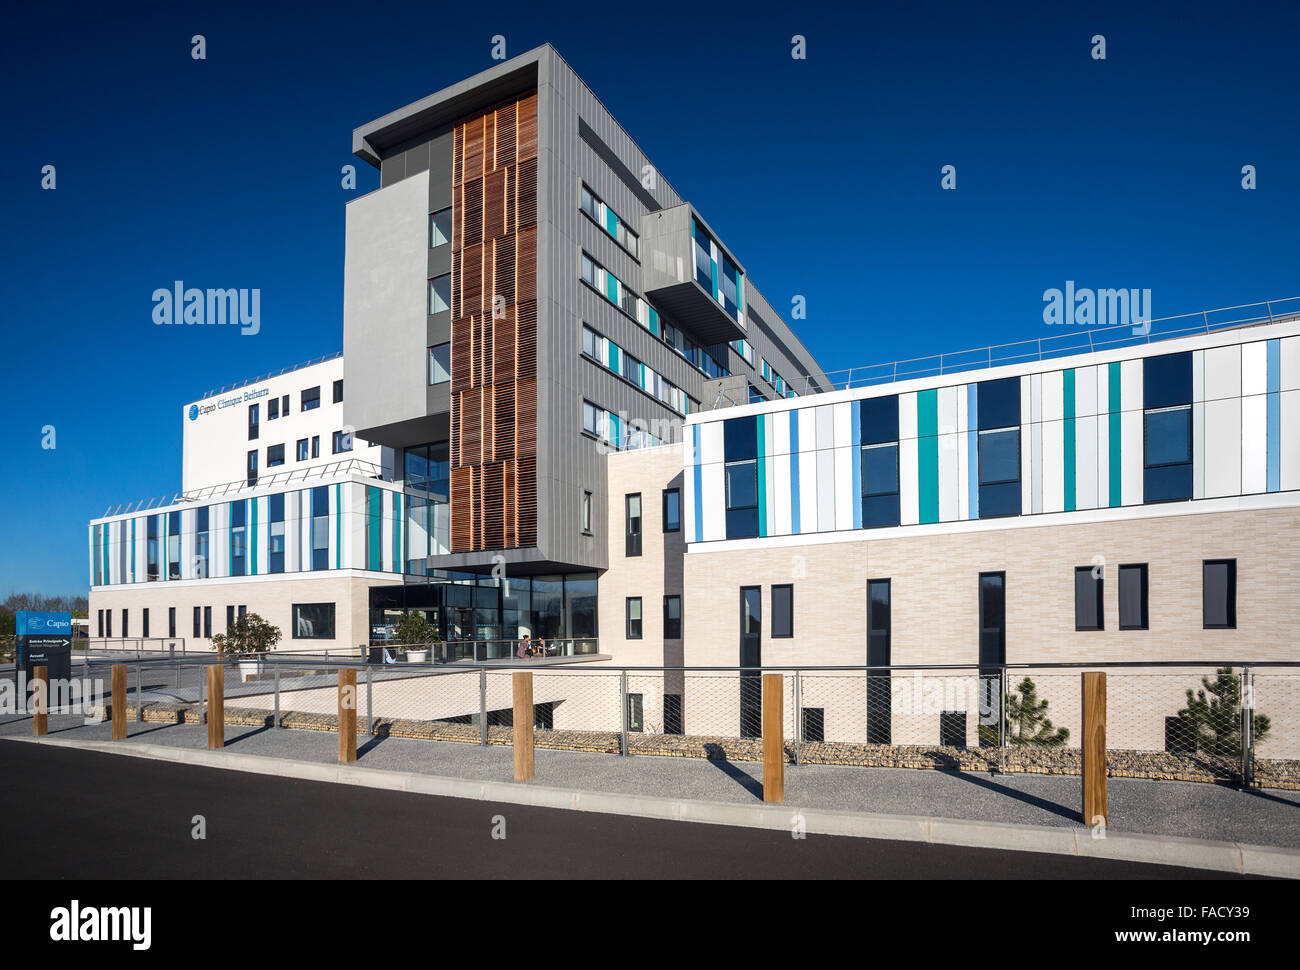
<point x="44" y="640"/>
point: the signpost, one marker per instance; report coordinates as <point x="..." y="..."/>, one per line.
<point x="44" y="640"/>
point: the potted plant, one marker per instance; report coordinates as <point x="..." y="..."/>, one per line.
<point x="414" y="634"/>
<point x="247" y="641"/>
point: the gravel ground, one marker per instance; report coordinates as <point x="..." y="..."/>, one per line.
<point x="1194" y="810"/>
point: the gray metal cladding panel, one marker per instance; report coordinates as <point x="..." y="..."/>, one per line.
<point x="417" y="158"/>
<point x="392" y="169"/>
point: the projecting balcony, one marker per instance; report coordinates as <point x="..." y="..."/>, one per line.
<point x="690" y="277"/>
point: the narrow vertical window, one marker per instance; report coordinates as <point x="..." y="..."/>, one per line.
<point x="632" y="505"/>
<point x="1088" y="599"/>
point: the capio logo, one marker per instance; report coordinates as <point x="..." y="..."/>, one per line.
<point x="194" y="412"/>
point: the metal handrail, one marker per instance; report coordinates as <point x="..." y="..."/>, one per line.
<point x="1085" y="340"/>
<point x="264" y="377"/>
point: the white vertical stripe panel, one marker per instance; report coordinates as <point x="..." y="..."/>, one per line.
<point x="711" y="442"/>
<point x="778" y="476"/>
<point x="1222" y="373"/>
<point x="844" y="425"/>
<point x="218" y="540"/>
<point x="1290" y="352"/>
<point x="263" y="535"/>
<point x="947" y="404"/>
<point x="713" y="501"/>
<point x="1085" y="392"/>
<point x="1085" y="460"/>
<point x="1053" y="401"/>
<point x="1103" y="436"/>
<point x="844" y="483"/>
<point x="304" y="533"/>
<point x="825" y="417"/>
<point x="807" y="473"/>
<point x="963" y="454"/>
<point x="189" y="544"/>
<point x="1053" y="465"/>
<point x="908" y="497"/>
<point x="1254" y="368"/>
<point x="1130" y="387"/>
<point x="1027" y="412"/>
<point x="1254" y="442"/>
<point x="688" y="495"/>
<point x="1198" y="424"/>
<point x="114" y="531"/>
<point x="142" y="549"/>
<point x="1131" y="456"/>
<point x="386" y="528"/>
<point x="825" y="487"/>
<point x="1222" y="447"/>
<point x="769" y="434"/>
<point x="906" y="419"/>
<point x="781" y="435"/>
<point x="950" y="473"/>
<point x="1290" y="429"/>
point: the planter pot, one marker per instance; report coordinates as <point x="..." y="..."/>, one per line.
<point x="417" y="656"/>
<point x="250" y="669"/>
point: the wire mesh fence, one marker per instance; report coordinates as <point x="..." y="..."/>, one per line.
<point x="1234" y="723"/>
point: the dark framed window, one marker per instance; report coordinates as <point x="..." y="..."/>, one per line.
<point x="1166" y="380"/>
<point x="273" y="409"/>
<point x="993" y="618"/>
<point x="171" y="621"/>
<point x="230" y="617"/>
<point x="586" y="512"/>
<point x="284" y="406"/>
<point x="302" y="449"/>
<point x="1167" y="428"/>
<point x="439" y="228"/>
<point x="783" y="611"/>
<point x="673" y="617"/>
<point x="253" y="427"/>
<point x="152" y="568"/>
<point x="252" y="467"/>
<point x="144" y="622"/>
<point x="108" y="619"/>
<point x="99" y="623"/>
<point x="633" y="609"/>
<point x="880" y="505"/>
<point x="313" y="621"/>
<point x="173" y="546"/>
<point x="632" y="510"/>
<point x="672" y="510"/>
<point x="1088" y="600"/>
<point x="126" y="623"/>
<point x="238" y="537"/>
<point x="315" y="446"/>
<point x="440" y="363"/>
<point x="207" y="622"/>
<point x="198" y="622"/>
<point x="878" y="418"/>
<point x="1219" y="594"/>
<point x="338" y="390"/>
<point x="741" y="479"/>
<point x="1133" y="596"/>
<point x="440" y="293"/>
<point x="342" y="442"/>
<point x="998" y="411"/>
<point x="274" y="455"/>
<point x="320" y="527"/>
<point x="310" y="398"/>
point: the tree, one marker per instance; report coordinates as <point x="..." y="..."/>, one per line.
<point x="414" y="628"/>
<point x="1025" y="721"/>
<point x="248" y="636"/>
<point x="1211" y="721"/>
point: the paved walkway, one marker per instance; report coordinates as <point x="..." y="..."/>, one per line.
<point x="1160" y="808"/>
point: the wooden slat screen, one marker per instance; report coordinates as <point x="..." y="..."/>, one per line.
<point x="494" y="329"/>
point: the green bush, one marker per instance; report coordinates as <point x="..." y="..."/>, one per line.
<point x="1025" y="721"/>
<point x="1211" y="721"/>
<point x="249" y="636"/>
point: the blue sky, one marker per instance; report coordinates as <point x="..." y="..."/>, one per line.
<point x="822" y="174"/>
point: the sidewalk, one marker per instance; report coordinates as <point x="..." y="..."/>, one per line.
<point x="1168" y="809"/>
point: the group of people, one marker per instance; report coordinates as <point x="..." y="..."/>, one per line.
<point x="529" y="647"/>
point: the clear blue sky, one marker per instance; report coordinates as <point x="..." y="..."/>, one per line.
<point x="822" y="174"/>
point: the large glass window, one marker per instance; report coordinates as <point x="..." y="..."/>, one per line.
<point x="440" y="228"/>
<point x="440" y="293"/>
<point x="274" y="456"/>
<point x="238" y="544"/>
<point x="1219" y="594"/>
<point x="440" y="363"/>
<point x="310" y="398"/>
<point x="153" y="563"/>
<point x="1088" y="610"/>
<point x="338" y="391"/>
<point x="1133" y="597"/>
<point x="880" y="504"/>
<point x="275" y="513"/>
<point x="742" y="499"/>
<point x="342" y="442"/>
<point x="320" y="527"/>
<point x="1167" y="428"/>
<point x="313" y="621"/>
<point x="273" y="409"/>
<point x="999" y="447"/>
<point x="301" y="449"/>
<point x="672" y="617"/>
<point x="200" y="543"/>
<point x="173" y="545"/>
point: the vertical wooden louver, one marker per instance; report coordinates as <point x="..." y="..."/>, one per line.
<point x="494" y="329"/>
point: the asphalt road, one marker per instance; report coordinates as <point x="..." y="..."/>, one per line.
<point x="103" y="816"/>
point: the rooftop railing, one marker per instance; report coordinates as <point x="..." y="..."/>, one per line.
<point x="1077" y="340"/>
<point x="276" y="373"/>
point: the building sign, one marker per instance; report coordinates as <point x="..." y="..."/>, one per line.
<point x="44" y="640"/>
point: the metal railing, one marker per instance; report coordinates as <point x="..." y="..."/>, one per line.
<point x="1227" y="722"/>
<point x="263" y="377"/>
<point x="1079" y="340"/>
<point x="130" y="646"/>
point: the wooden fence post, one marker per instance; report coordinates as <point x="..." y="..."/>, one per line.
<point x="40" y="701"/>
<point x="216" y="706"/>
<point x="347" y="714"/>
<point x="773" y="743"/>
<point x="1093" y="748"/>
<point x="119" y="701"/>
<point x="523" y="725"/>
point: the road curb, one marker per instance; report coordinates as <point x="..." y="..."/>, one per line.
<point x="1077" y="841"/>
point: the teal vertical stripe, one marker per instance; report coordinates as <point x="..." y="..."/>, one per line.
<point x="855" y="455"/>
<point x="338" y="525"/>
<point x="611" y="222"/>
<point x="133" y="579"/>
<point x="230" y="538"/>
<point x="1069" y="439"/>
<point x="252" y="536"/>
<point x="927" y="472"/>
<point x="1116" y="476"/>
<point x="399" y="554"/>
<point x="374" y="516"/>
<point x="762" y="475"/>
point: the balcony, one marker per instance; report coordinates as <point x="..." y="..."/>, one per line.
<point x="690" y="277"/>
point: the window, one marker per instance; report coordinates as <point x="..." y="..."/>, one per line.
<point x="440" y="363"/>
<point x="313" y="621"/>
<point x="1219" y="594"/>
<point x="320" y="527"/>
<point x="634" y="713"/>
<point x="999" y="473"/>
<point x="274" y="456"/>
<point x="440" y="228"/>
<point x="591" y="418"/>
<point x="586" y="512"/>
<point x="171" y="621"/>
<point x="672" y="510"/>
<point x="878" y="418"/>
<point x="144" y="622"/>
<point x="207" y="622"/>
<point x="1167" y="428"/>
<point x="273" y="409"/>
<point x="238" y="513"/>
<point x="1133" y="597"/>
<point x="230" y="617"/>
<point x="310" y="399"/>
<point x="783" y="611"/>
<point x="252" y="467"/>
<point x="342" y="442"/>
<point x="252" y="422"/>
<point x="740" y="451"/>
<point x="634" y="618"/>
<point x="879" y="629"/>
<point x="302" y="449"/>
<point x="201" y="542"/>
<point x="126" y="623"/>
<point x="992" y="618"/>
<point x="632" y="507"/>
<point x="152" y="573"/>
<point x="198" y="622"/>
<point x="276" y="532"/>
<point x="108" y="619"/>
<point x="315" y="446"/>
<point x="284" y="406"/>
<point x="99" y="623"/>
<point x="338" y="391"/>
<point x="440" y="293"/>
<point x="173" y="546"/>
<point x="1088" y="609"/>
<point x="672" y="714"/>
<point x="673" y="617"/>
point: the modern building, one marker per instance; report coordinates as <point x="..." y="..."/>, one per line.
<point x="523" y="294"/>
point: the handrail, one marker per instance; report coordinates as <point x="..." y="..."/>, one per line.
<point x="264" y="377"/>
<point x="1084" y="340"/>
